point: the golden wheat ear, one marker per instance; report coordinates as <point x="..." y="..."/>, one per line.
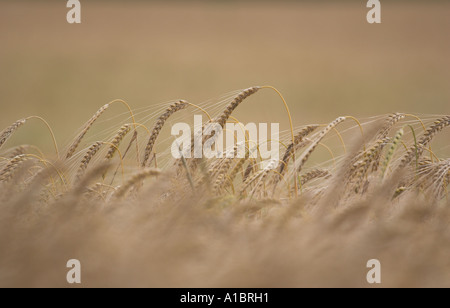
<point x="87" y="158"/>
<point x="314" y="174"/>
<point x="291" y="148"/>
<point x="115" y="142"/>
<point x="416" y="151"/>
<point x="225" y="115"/>
<point x="135" y="179"/>
<point x="391" y="120"/>
<point x="83" y="133"/>
<point x="6" y="133"/>
<point x="305" y="156"/>
<point x="8" y="171"/>
<point x="180" y="105"/>
<point x="221" y="172"/>
<point x="223" y="118"/>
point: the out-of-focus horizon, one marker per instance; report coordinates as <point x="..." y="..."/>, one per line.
<point x="325" y="58"/>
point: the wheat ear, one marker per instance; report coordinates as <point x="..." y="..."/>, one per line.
<point x="239" y="165"/>
<point x="382" y="134"/>
<point x="291" y="148"/>
<point x="249" y="180"/>
<point x="86" y="128"/>
<point x="252" y="167"/>
<point x="135" y="179"/>
<point x="223" y="118"/>
<point x="93" y="149"/>
<point x="391" y="120"/>
<point x="314" y="174"/>
<point x="7" y="172"/>
<point x="262" y="174"/>
<point x="390" y="153"/>
<point x="262" y="178"/>
<point x="159" y="125"/>
<point x="115" y="142"/>
<point x="221" y="174"/>
<point x="360" y="169"/>
<point x="6" y="133"/>
<point x="20" y="150"/>
<point x="440" y="178"/>
<point x="416" y="151"/>
<point x="307" y="153"/>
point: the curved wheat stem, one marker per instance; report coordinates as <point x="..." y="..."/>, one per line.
<point x="359" y="125"/>
<point x="55" y="144"/>
<point x="46" y="163"/>
<point x="291" y="126"/>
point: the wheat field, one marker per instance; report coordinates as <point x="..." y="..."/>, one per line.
<point x="343" y="192"/>
<point x="87" y="173"/>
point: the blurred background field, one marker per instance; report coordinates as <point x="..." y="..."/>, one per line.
<point x="325" y="58"/>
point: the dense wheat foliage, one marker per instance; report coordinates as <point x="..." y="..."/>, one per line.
<point x="135" y="216"/>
